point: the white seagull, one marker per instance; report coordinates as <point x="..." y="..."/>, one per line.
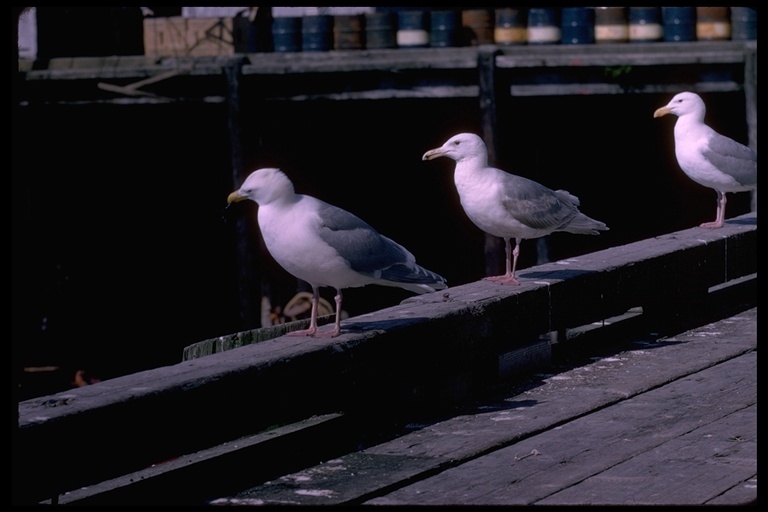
<point x="327" y="246"/>
<point x="506" y="205"/>
<point x="708" y="158"/>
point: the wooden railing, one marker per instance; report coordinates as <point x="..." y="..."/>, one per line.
<point x="233" y="417"/>
<point x="489" y="73"/>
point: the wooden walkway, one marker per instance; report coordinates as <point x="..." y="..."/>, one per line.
<point x="658" y="396"/>
<point x="671" y="421"/>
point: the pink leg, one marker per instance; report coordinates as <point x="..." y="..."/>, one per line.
<point x="720" y="217"/>
<point x="511" y="265"/>
<point x="337" y="327"/>
<point x="312" y="318"/>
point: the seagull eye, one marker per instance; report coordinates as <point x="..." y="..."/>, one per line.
<point x="456" y="142"/>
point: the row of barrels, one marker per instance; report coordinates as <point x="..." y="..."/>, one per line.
<point x="510" y="26"/>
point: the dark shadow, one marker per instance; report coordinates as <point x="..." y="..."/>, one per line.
<point x="381" y="325"/>
<point x="564" y="274"/>
<point x="743" y="221"/>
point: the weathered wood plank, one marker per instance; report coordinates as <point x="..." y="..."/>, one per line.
<point x="240" y="339"/>
<point x="483" y="436"/>
<point x="744" y="492"/>
<point x="362" y="60"/>
<point x="257" y="456"/>
<point x="587" y="457"/>
<point x="329" y="483"/>
<point x="692" y="469"/>
<point x="698" y="52"/>
<point x="436" y="91"/>
<point x="567" y="89"/>
<point x="660" y="54"/>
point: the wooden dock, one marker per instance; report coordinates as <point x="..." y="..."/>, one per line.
<point x="671" y="421"/>
<point x="635" y="365"/>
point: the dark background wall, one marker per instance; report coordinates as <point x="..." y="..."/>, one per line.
<point x="122" y="253"/>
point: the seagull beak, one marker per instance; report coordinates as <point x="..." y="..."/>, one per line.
<point x="235" y="197"/>
<point x="433" y="153"/>
<point x="662" y="112"/>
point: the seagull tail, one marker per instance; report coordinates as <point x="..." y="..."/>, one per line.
<point x="583" y="225"/>
<point x="422" y="288"/>
<point x="416" y="279"/>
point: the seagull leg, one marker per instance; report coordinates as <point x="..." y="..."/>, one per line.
<point x="337" y="327"/>
<point x="720" y="218"/>
<point x="312" y="317"/>
<point x="509" y="276"/>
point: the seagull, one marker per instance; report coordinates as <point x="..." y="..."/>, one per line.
<point x="506" y="205"/>
<point x="325" y="245"/>
<point x="708" y="158"/>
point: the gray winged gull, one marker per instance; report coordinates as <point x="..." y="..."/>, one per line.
<point x="707" y="157"/>
<point x="509" y="206"/>
<point x="325" y="245"/>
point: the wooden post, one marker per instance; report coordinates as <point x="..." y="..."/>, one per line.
<point x="486" y="66"/>
<point x="246" y="269"/>
<point x="750" y="93"/>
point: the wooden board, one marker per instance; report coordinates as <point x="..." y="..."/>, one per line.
<point x="188" y="37"/>
<point x="644" y="406"/>
<point x="683" y="443"/>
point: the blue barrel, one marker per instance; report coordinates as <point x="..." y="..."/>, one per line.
<point x="543" y="25"/>
<point x="380" y="30"/>
<point x="286" y="34"/>
<point x="445" y="28"/>
<point x="645" y="24"/>
<point x="511" y="26"/>
<point x="317" y="33"/>
<point x="743" y="23"/>
<point x="679" y="23"/>
<point x="412" y="29"/>
<point x="577" y="25"/>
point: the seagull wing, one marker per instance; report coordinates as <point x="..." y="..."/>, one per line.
<point x="535" y="205"/>
<point x="732" y="158"/>
<point x="370" y="253"/>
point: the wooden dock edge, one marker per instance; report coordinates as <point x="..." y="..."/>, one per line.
<point x="430" y="351"/>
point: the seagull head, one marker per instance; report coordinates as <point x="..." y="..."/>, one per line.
<point x="263" y="186"/>
<point x="682" y="104"/>
<point x="459" y="147"/>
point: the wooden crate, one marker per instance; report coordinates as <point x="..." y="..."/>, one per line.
<point x="189" y="37"/>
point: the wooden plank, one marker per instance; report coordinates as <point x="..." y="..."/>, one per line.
<point x="329" y="483"/>
<point x="548" y="408"/>
<point x="188" y="37"/>
<point x="209" y="37"/>
<point x="164" y="36"/>
<point x="437" y="91"/>
<point x="624" y="454"/>
<point x="743" y="492"/>
<point x="657" y="54"/>
<point x="692" y="469"/>
<point x="345" y="61"/>
<point x="168" y="482"/>
<point x="567" y="89"/>
<point x="243" y="338"/>
<point x="660" y="54"/>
